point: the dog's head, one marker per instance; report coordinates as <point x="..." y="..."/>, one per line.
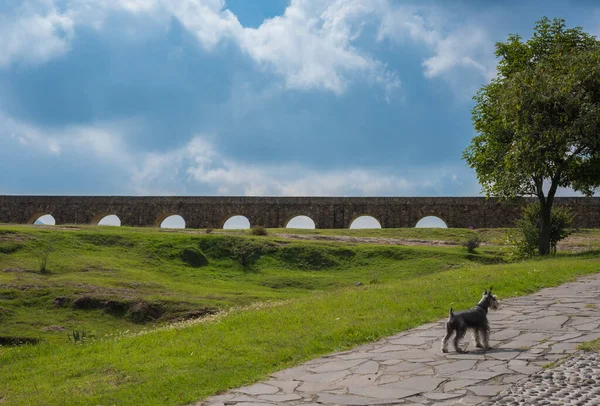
<point x="490" y="300"/>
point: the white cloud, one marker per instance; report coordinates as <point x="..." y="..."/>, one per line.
<point x="37" y="32"/>
<point x="310" y="46"/>
<point x="463" y="46"/>
<point x="198" y="167"/>
<point x="199" y="164"/>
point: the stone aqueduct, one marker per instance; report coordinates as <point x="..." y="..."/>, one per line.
<point x="276" y="212"/>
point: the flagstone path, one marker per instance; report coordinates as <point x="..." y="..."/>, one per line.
<point x="409" y="368"/>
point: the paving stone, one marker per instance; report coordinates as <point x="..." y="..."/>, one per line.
<point x="513" y="378"/>
<point x="315" y="387"/>
<point x="504" y="334"/>
<point x="285" y="386"/>
<point x="331" y="399"/>
<point x="422" y="384"/>
<point x="359" y="380"/>
<point x="369" y="367"/>
<point x="487" y="390"/>
<point x="454" y="367"/>
<point x="280" y="398"/>
<point x="405" y="367"/>
<point x="413" y="340"/>
<point x="241" y="399"/>
<point x="383" y="379"/>
<point x="324" y="377"/>
<point x="502" y="354"/>
<point x="383" y="392"/>
<point x="333" y="366"/>
<point x="474" y="374"/>
<point x="444" y="395"/>
<point x="459" y="383"/>
<point x="551" y="323"/>
<point x="291" y="373"/>
<point x="390" y="348"/>
<point x="258" y="389"/>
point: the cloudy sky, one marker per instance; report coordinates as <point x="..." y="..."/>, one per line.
<point x="238" y="97"/>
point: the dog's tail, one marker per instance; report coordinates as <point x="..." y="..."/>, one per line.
<point x="451" y="313"/>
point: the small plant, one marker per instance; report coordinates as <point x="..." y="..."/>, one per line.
<point x="44" y="249"/>
<point x="208" y="230"/>
<point x="77" y="337"/>
<point x="471" y="244"/>
<point x="258" y="230"/>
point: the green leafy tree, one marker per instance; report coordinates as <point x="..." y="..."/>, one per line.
<point x="538" y="121"/>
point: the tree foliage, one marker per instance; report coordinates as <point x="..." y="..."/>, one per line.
<point x="538" y="121"/>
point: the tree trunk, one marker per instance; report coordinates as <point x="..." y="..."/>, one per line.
<point x="545" y="226"/>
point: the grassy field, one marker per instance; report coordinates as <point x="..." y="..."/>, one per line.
<point x="143" y="291"/>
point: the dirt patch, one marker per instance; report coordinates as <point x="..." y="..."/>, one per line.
<point x="19" y="270"/>
<point x="195" y="314"/>
<point x="137" y="311"/>
<point x="367" y="240"/>
<point x="61" y="301"/>
<point x="88" y="303"/>
<point x="53" y="328"/>
<point x="142" y="312"/>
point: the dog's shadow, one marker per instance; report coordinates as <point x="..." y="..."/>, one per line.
<point x="494" y="350"/>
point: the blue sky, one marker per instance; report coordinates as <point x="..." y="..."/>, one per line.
<point x="237" y="97"/>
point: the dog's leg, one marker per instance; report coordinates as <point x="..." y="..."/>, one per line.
<point x="485" y="331"/>
<point x="460" y="333"/>
<point x="449" y="331"/>
<point x="476" y="335"/>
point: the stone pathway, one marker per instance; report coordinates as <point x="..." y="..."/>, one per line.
<point x="409" y="368"/>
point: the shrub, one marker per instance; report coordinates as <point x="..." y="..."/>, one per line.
<point x="526" y="237"/>
<point x="471" y="244"/>
<point x="246" y="252"/>
<point x="208" y="230"/>
<point x="258" y="230"/>
<point x="43" y="250"/>
<point x="8" y="247"/>
<point x="194" y="257"/>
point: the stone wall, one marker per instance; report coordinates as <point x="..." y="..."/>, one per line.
<point x="271" y="212"/>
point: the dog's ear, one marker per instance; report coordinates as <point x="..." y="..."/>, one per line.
<point x="485" y="292"/>
<point x="490" y="290"/>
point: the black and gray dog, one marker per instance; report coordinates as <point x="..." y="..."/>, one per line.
<point x="474" y="319"/>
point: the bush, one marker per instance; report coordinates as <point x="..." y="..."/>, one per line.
<point x="258" y="230"/>
<point x="471" y="244"/>
<point x="246" y="252"/>
<point x="525" y="238"/>
<point x="208" y="230"/>
<point x="194" y="257"/>
<point x="43" y="249"/>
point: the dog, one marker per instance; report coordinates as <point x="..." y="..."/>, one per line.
<point x="474" y="319"/>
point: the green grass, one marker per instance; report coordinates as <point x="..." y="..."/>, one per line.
<point x="297" y="302"/>
<point x="591" y="346"/>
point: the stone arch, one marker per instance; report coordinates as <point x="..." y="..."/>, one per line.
<point x="42" y="218"/>
<point x="239" y="222"/>
<point x="431" y="221"/>
<point x="299" y="220"/>
<point x="171" y="220"/>
<point x="106" y="219"/>
<point x="365" y="221"/>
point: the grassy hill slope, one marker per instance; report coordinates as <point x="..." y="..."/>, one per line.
<point x="171" y="317"/>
